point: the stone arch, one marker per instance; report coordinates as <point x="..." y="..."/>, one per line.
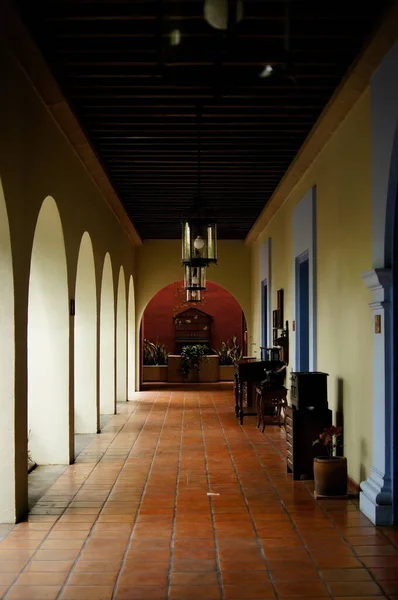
<point x="48" y="341"/>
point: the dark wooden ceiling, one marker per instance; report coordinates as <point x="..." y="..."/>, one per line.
<point x="148" y="105"/>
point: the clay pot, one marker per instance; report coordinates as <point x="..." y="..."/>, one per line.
<point x="330" y="475"/>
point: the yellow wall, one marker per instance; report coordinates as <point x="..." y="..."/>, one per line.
<point x="341" y="174"/>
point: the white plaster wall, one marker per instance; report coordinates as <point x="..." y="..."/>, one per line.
<point x="304" y="240"/>
<point x="265" y="273"/>
<point x="48" y="342"/>
<point x="121" y="340"/>
<point x="131" y="367"/>
<point x="85" y="320"/>
<point x="107" y="341"/>
<point x="7" y="363"/>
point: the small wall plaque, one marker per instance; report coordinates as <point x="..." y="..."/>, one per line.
<point x="377" y="323"/>
<point x="293" y="325"/>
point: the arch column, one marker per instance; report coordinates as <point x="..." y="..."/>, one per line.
<point x="378" y="498"/>
<point x="131" y="356"/>
<point x="376" y="491"/>
<point x="107" y="342"/>
<point x="48" y="342"/>
<point x="85" y="341"/>
<point x="121" y="340"/>
<point x="7" y="373"/>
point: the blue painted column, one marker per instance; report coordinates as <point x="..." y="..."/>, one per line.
<point x="376" y="491"/>
<point x="377" y="499"/>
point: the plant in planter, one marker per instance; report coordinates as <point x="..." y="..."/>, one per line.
<point x="229" y="354"/>
<point x="154" y="353"/>
<point x="191" y="359"/>
<point x="330" y="471"/>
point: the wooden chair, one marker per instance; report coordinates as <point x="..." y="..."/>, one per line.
<point x="271" y="400"/>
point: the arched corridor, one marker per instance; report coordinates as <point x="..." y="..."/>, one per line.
<point x="48" y="342"/>
<point x="107" y="341"/>
<point x="85" y="367"/>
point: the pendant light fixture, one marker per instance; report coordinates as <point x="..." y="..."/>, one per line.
<point x="194" y="296"/>
<point x="194" y="278"/>
<point x="199" y="228"/>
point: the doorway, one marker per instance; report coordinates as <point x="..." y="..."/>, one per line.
<point x="264" y="315"/>
<point x="302" y="312"/>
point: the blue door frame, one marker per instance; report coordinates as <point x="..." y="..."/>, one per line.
<point x="302" y="312"/>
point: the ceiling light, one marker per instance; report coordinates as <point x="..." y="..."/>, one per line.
<point x="175" y="37"/>
<point x="216" y="13"/>
<point x="194" y="278"/>
<point x="266" y="72"/>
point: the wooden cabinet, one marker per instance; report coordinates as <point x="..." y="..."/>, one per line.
<point x="302" y="428"/>
<point x="192" y="326"/>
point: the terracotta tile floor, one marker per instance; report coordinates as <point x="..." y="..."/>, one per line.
<point x="133" y="518"/>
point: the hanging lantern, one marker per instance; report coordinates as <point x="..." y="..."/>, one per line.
<point x="194" y="278"/>
<point x="193" y="296"/>
<point x="199" y="241"/>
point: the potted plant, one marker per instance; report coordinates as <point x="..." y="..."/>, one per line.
<point x="155" y="358"/>
<point x="191" y="359"/>
<point x="228" y="355"/>
<point x="330" y="471"/>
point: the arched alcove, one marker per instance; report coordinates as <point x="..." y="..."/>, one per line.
<point x="107" y="341"/>
<point x="131" y="366"/>
<point x="121" y="340"/>
<point x="7" y="366"/>
<point x="164" y="324"/>
<point x="85" y="365"/>
<point x="48" y="341"/>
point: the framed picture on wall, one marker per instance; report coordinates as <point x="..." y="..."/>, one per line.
<point x="279" y="304"/>
<point x="274" y="336"/>
<point x="275" y="318"/>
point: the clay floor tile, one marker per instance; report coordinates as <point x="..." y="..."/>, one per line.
<point x="248" y="590"/>
<point x="357" y="588"/>
<point x="146" y="592"/>
<point x="193" y="579"/>
<point x="376" y="551"/>
<point x="346" y="575"/>
<point x="49" y="566"/>
<point x="29" y="578"/>
<point x="245" y="577"/>
<point x="36" y="592"/>
<point x="194" y="565"/>
<point x="309" y="589"/>
<point x="192" y="592"/>
<point x="97" y="566"/>
<point x="77" y="592"/>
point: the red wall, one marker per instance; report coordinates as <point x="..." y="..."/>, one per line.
<point x="158" y="319"/>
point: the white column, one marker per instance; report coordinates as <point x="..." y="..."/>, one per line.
<point x="376" y="491"/>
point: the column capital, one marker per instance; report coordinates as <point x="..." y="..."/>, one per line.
<point x="377" y="279"/>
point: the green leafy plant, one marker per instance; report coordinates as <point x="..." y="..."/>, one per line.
<point x="229" y="353"/>
<point x="330" y="438"/>
<point x="191" y="359"/>
<point x="154" y="353"/>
